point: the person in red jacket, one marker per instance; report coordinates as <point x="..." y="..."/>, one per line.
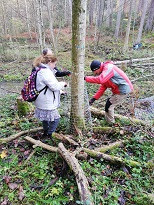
<point x="110" y="76"/>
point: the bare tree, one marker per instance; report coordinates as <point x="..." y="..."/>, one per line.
<point x="150" y="20"/>
<point x="39" y="6"/>
<point x="51" y="24"/>
<point x="4" y="17"/>
<point x="78" y="56"/>
<point x="128" y="26"/>
<point x="27" y="19"/>
<point x="145" y="3"/>
<point x="120" y="10"/>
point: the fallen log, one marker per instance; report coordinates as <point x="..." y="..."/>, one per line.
<point x="102" y="130"/>
<point x="110" y="146"/>
<point x="12" y="137"/>
<point x="112" y="159"/>
<point x="100" y="113"/>
<point x="133" y="60"/>
<point x="65" y="138"/>
<point x="38" y="143"/>
<point x="145" y="76"/>
<point x="56" y="135"/>
<point x="81" y="179"/>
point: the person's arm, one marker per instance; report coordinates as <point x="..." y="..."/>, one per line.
<point x="98" y="94"/>
<point x="59" y="73"/>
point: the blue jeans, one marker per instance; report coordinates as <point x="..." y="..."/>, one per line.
<point x="50" y="126"/>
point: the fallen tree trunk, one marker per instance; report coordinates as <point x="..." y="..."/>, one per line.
<point x="81" y="180"/>
<point x="100" y="113"/>
<point x="133" y="60"/>
<point x="110" y="146"/>
<point x="143" y="65"/>
<point x="65" y="138"/>
<point x="58" y="136"/>
<point x="12" y="137"/>
<point x="146" y="76"/>
<point x="108" y="130"/>
<point x="112" y="159"/>
<point x="38" y="143"/>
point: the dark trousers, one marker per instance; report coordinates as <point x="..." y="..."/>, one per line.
<point x="50" y="126"/>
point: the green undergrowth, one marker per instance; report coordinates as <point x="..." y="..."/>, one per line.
<point x="46" y="179"/>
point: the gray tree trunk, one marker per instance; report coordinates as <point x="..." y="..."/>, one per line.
<point x="109" y="13"/>
<point x="142" y="21"/>
<point x="78" y="56"/>
<point x="150" y="20"/>
<point x="27" y="19"/>
<point x="101" y="4"/>
<point x="3" y="18"/>
<point x="125" y="48"/>
<point x="51" y="25"/>
<point x="39" y="5"/>
<point x="120" y="10"/>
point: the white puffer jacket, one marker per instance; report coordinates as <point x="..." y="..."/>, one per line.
<point x="51" y="99"/>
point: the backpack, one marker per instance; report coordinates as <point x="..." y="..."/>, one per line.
<point x="29" y="92"/>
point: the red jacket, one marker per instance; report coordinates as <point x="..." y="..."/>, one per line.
<point x="111" y="77"/>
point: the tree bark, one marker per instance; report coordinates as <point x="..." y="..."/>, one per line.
<point x="142" y="21"/>
<point x="120" y="10"/>
<point x="51" y="25"/>
<point x="78" y="56"/>
<point x="81" y="180"/>
<point x="150" y="20"/>
<point x="125" y="48"/>
<point x="39" y="5"/>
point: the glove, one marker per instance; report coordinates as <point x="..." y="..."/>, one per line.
<point x="68" y="73"/>
<point x="91" y="101"/>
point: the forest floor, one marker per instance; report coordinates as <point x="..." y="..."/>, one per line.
<point x="40" y="180"/>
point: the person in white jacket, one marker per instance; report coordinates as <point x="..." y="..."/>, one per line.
<point x="49" y="100"/>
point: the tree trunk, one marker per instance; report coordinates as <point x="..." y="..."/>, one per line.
<point x="150" y="20"/>
<point x="125" y="48"/>
<point x="27" y="19"/>
<point x="39" y="6"/>
<point x="51" y="25"/>
<point x="78" y="56"/>
<point x="120" y="10"/>
<point x="101" y="5"/>
<point x="142" y="21"/>
<point x="4" y="18"/>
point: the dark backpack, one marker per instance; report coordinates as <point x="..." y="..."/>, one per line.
<point x="29" y="92"/>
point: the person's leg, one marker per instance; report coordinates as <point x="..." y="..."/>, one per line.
<point x="110" y="105"/>
<point x="45" y="127"/>
<point x="53" y="125"/>
<point x="109" y="111"/>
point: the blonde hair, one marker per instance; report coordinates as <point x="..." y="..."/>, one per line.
<point x="44" y="59"/>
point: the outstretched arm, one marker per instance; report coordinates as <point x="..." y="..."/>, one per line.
<point x="59" y="73"/>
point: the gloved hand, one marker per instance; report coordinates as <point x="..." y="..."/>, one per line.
<point x="68" y="73"/>
<point x="92" y="101"/>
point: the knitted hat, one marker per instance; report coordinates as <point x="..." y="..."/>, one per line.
<point x="95" y="65"/>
